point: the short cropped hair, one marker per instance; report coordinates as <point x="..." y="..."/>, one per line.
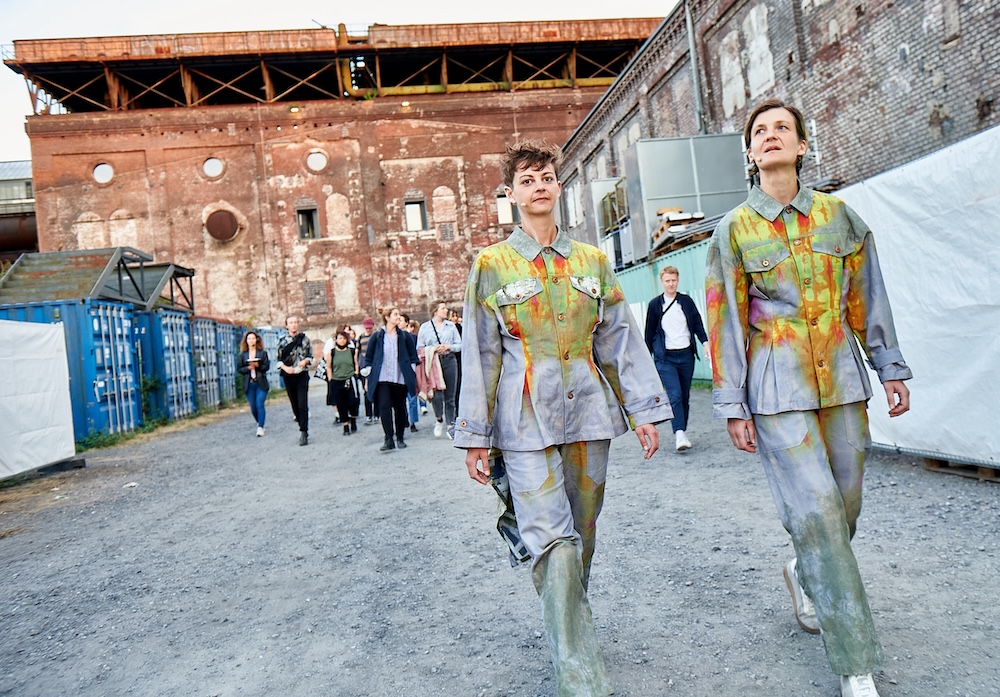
<point x="669" y="270"/>
<point x="531" y="153"/>
<point x="800" y="127"/>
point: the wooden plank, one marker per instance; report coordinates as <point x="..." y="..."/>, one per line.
<point x="987" y="474"/>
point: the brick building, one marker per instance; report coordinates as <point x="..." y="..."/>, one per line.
<point x="884" y="83"/>
<point x="315" y="172"/>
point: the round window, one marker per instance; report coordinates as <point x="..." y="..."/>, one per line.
<point x="222" y="225"/>
<point x="103" y="173"/>
<point x="213" y="167"/>
<point x="317" y="161"/>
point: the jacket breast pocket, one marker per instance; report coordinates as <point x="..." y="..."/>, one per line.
<point x="764" y="257"/>
<point x="516" y="301"/>
<point x="835" y="244"/>
<point x="592" y="305"/>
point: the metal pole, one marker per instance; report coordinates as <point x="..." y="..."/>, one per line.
<point x="699" y="114"/>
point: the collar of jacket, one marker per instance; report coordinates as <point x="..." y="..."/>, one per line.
<point x="528" y="247"/>
<point x="771" y="209"/>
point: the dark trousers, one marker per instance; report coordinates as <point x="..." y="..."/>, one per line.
<point x="369" y="406"/>
<point x="344" y="399"/>
<point x="444" y="401"/>
<point x="297" y="385"/>
<point x="676" y="369"/>
<point x="390" y="399"/>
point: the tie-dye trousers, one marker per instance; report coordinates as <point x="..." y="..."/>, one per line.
<point x="815" y="461"/>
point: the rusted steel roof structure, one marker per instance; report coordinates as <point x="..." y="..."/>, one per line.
<point x="119" y="273"/>
<point x="193" y="70"/>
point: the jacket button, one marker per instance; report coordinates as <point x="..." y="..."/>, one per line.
<point x="555" y="280"/>
<point x="561" y="317"/>
<point x="797" y="242"/>
<point x="569" y="396"/>
<point x="808" y="281"/>
<point x="463" y="424"/>
<point x="814" y="321"/>
<point x="836" y="249"/>
<point x="788" y="209"/>
<point x="821" y="363"/>
<point x="656" y="399"/>
<point x="765" y="263"/>
<point x="566" y="356"/>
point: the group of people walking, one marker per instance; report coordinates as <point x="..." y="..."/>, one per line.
<point x="554" y="367"/>
<point x="378" y="367"/>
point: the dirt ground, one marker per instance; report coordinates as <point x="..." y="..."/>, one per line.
<point x="205" y="561"/>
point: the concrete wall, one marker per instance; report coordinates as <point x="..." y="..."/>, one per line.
<point x="442" y="150"/>
<point x="886" y="82"/>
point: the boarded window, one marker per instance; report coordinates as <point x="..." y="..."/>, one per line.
<point x="314" y="294"/>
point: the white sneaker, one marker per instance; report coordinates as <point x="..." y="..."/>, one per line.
<point x="682" y="440"/>
<point x="423" y="410"/>
<point x="438" y="429"/>
<point x="857" y="686"/>
<point x="805" y="613"/>
<point x="260" y="431"/>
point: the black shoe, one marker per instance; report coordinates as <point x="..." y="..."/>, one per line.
<point x="347" y="430"/>
<point x="388" y="445"/>
<point x="303" y="438"/>
<point x="413" y="428"/>
<point x="400" y="443"/>
<point x="354" y="425"/>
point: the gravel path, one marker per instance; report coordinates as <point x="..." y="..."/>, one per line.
<point x="203" y="561"/>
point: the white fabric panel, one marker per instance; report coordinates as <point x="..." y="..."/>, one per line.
<point x="935" y="225"/>
<point x="36" y="416"/>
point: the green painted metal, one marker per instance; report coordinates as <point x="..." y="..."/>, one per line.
<point x="641" y="283"/>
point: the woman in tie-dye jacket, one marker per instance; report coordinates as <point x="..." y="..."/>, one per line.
<point x="793" y="286"/>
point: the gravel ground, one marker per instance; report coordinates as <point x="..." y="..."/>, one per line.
<point x="200" y="560"/>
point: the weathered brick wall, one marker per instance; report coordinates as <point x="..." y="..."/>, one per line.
<point x="442" y="150"/>
<point x="886" y="82"/>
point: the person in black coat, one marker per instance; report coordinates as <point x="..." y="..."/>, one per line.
<point x="672" y="325"/>
<point x="390" y="362"/>
<point x="253" y="365"/>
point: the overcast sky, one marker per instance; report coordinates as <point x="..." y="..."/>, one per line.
<point x="49" y="19"/>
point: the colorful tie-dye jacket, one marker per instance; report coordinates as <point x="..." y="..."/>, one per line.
<point x="788" y="289"/>
<point x="550" y="351"/>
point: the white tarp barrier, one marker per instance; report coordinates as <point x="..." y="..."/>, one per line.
<point x="936" y="223"/>
<point x="36" y="416"/>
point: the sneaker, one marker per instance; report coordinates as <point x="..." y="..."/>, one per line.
<point x="303" y="438"/>
<point x="260" y="431"/>
<point x="682" y="440"/>
<point x="354" y="425"/>
<point x="438" y="429"/>
<point x="857" y="686"/>
<point x="400" y="443"/>
<point x="423" y="410"/>
<point x="388" y="445"/>
<point x="805" y="613"/>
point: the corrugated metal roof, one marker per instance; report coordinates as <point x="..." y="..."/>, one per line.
<point x="17" y="169"/>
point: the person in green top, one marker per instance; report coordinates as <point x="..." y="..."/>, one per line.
<point x="341" y="366"/>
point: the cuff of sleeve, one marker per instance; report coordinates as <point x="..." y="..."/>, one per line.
<point x="651" y="402"/>
<point x="654" y="415"/>
<point x="472" y="434"/>
<point x="894" y="371"/>
<point x="729" y="395"/>
<point x="730" y="404"/>
<point x="884" y="357"/>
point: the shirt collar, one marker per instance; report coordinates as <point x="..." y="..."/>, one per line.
<point x="528" y="247"/>
<point x="771" y="209"/>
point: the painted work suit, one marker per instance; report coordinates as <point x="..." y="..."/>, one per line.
<point x="791" y="290"/>
<point x="551" y="358"/>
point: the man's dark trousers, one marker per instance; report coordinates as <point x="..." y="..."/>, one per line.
<point x="676" y="369"/>
<point x="297" y="385"/>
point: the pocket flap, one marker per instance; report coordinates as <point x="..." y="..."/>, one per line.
<point x="517" y="292"/>
<point x="834" y="244"/>
<point x="764" y="257"/>
<point x="590" y="285"/>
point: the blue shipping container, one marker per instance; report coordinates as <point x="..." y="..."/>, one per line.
<point x="103" y="366"/>
<point x="228" y="337"/>
<point x="206" y="362"/>
<point x="166" y="363"/>
<point x="270" y="335"/>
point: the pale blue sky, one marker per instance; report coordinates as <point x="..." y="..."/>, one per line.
<point x="48" y="19"/>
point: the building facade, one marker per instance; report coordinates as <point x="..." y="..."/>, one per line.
<point x="314" y="172"/>
<point x="881" y="84"/>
